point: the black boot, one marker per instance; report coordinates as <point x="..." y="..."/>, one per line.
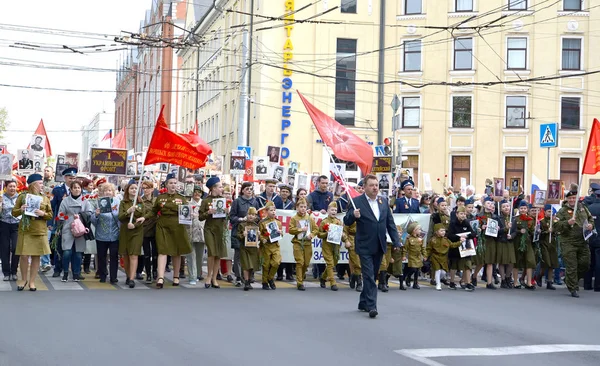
<point x="247" y="285"/>
<point x="550" y="285"/>
<point x="503" y="284"/>
<point x="383" y="280"/>
<point x="359" y="285"/>
<point x="402" y="287"/>
<point x="352" y="281"/>
<point x="416" y="283"/>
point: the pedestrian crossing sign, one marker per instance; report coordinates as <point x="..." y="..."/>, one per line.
<point x="549" y="135"/>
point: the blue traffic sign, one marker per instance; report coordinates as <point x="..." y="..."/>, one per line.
<point x="549" y="135"/>
<point x="379" y="150"/>
<point x="247" y="151"/>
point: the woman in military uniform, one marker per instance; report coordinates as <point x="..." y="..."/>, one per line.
<point x="523" y="227"/>
<point x="171" y="237"/>
<point x="548" y="247"/>
<point x="506" y="249"/>
<point x="33" y="231"/>
<point x="131" y="237"/>
<point x="214" y="229"/>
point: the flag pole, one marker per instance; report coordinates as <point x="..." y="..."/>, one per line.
<point x="578" y="195"/>
<point x="339" y="174"/>
<point x="137" y="192"/>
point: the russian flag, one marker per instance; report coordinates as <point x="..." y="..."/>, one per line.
<point x="108" y="135"/>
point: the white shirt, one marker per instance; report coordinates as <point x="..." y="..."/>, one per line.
<point x="374" y="206"/>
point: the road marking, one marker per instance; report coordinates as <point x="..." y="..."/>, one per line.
<point x="5" y="286"/>
<point x="423" y="355"/>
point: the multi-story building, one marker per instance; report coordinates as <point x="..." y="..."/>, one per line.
<point x="126" y="98"/>
<point x="475" y="80"/>
<point x="91" y="136"/>
<point x="157" y="70"/>
<point x="486" y="122"/>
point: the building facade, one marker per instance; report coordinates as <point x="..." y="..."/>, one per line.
<point x="157" y="69"/>
<point x="91" y="136"/>
<point x="461" y="69"/>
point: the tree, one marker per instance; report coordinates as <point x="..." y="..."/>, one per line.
<point x="4" y="123"/>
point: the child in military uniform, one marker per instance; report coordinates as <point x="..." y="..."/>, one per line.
<point x="437" y="252"/>
<point x="506" y="249"/>
<point x="270" y="228"/>
<point x="523" y="227"/>
<point x="548" y="248"/>
<point x="248" y="255"/>
<point x="331" y="251"/>
<point x="303" y="228"/>
<point x="353" y="259"/>
<point x="415" y="252"/>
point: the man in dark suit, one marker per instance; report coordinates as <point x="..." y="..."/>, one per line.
<point x="371" y="214"/>
<point x="407" y="204"/>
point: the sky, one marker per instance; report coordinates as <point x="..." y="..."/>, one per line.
<point x="64" y="113"/>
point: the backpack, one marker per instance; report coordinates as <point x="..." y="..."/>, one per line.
<point x="77" y="228"/>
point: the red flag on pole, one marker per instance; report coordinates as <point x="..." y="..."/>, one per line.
<point x="41" y="130"/>
<point x="591" y="164"/>
<point x="120" y="140"/>
<point x="166" y="146"/>
<point x="349" y="189"/>
<point x="345" y="145"/>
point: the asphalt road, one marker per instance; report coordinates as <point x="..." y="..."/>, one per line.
<point x="182" y="326"/>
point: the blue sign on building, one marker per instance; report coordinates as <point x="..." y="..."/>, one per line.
<point x="549" y="135"/>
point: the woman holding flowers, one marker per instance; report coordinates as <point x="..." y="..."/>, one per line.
<point x="32" y="240"/>
<point x="72" y="247"/>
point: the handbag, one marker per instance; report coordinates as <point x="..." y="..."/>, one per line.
<point x="77" y="228"/>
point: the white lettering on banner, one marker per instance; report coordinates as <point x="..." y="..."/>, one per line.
<point x="287" y="248"/>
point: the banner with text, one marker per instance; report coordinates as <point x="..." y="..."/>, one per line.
<point x="287" y="249"/>
<point x="108" y="161"/>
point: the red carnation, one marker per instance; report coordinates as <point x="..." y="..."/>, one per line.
<point x="326" y="227"/>
<point x="265" y="232"/>
<point x="56" y="219"/>
<point x="158" y="213"/>
<point x="66" y="217"/>
<point x="438" y="179"/>
<point x="445" y="175"/>
<point x="525" y="218"/>
<point x="61" y="214"/>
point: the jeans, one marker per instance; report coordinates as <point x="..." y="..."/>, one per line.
<point x="237" y="264"/>
<point x="8" y="246"/>
<point x="45" y="259"/>
<point x="594" y="271"/>
<point x="150" y="256"/>
<point x="58" y="252"/>
<point x="73" y="257"/>
<point x="195" y="260"/>
<point x="103" y="247"/>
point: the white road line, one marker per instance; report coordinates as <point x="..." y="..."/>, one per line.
<point x="423" y="355"/>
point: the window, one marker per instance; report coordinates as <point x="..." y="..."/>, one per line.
<point x="461" y="168"/>
<point x="349" y="6"/>
<point x="412" y="55"/>
<point x="463" y="5"/>
<point x="412" y="162"/>
<point x="514" y="167"/>
<point x="463" y="54"/>
<point x="411" y="112"/>
<point x="569" y="171"/>
<point x="571" y="54"/>
<point x="517" y="4"/>
<point x="413" y="7"/>
<point x="461" y="112"/>
<point x="515" y="111"/>
<point x="572" y="5"/>
<point x="570" y="112"/>
<point x="516" y="53"/>
<point x="345" y="85"/>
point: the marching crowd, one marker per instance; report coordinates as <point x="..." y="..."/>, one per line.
<point x="139" y="229"/>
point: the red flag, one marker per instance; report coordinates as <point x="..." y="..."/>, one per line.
<point x="350" y="190"/>
<point x="591" y="164"/>
<point x="41" y="130"/>
<point x="120" y="140"/>
<point x="166" y="146"/>
<point x="345" y="145"/>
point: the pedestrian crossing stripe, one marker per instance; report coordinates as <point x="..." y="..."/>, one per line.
<point x="548" y="136"/>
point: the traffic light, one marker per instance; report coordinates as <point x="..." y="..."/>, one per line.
<point x="387" y="146"/>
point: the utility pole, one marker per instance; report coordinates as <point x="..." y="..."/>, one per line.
<point x="380" y="85"/>
<point x="246" y="141"/>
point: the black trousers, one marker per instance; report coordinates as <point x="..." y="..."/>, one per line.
<point x="103" y="248"/>
<point x="8" y="246"/>
<point x="370" y="264"/>
<point x="289" y="268"/>
<point x="594" y="271"/>
<point x="150" y="256"/>
<point x="411" y="272"/>
<point x="87" y="260"/>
